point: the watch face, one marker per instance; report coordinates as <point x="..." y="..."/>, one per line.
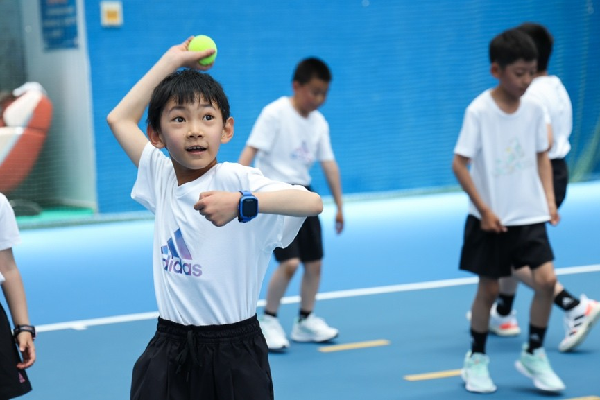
<point x="249" y="207"/>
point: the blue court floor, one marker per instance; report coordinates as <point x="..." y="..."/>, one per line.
<point x="390" y="284"/>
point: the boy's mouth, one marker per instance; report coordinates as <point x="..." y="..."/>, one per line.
<point x="195" y="149"/>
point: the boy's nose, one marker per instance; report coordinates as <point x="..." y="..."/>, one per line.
<point x="195" y="130"/>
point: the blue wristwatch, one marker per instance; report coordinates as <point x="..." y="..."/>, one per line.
<point x="248" y="207"/>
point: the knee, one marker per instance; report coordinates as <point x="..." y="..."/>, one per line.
<point x="289" y="267"/>
<point x="313" y="268"/>
<point x="547" y="283"/>
<point x="488" y="291"/>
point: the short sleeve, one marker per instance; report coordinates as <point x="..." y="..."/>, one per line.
<point x="152" y="162"/>
<point x="325" y="151"/>
<point x="542" y="143"/>
<point x="264" y="131"/>
<point x="469" y="139"/>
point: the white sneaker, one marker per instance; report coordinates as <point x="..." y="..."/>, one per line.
<point x="537" y="367"/>
<point x="579" y="322"/>
<point x="503" y="325"/>
<point x="273" y="333"/>
<point x="475" y="373"/>
<point x="312" y="329"/>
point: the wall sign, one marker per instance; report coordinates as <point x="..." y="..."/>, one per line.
<point x="59" y="24"/>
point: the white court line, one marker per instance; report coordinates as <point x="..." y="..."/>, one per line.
<point x="83" y="324"/>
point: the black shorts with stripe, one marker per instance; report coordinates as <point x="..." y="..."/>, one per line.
<point x="494" y="255"/>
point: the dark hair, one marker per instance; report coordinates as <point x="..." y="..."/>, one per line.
<point x="543" y="42"/>
<point x="510" y="46"/>
<point x="310" y="68"/>
<point x="186" y="86"/>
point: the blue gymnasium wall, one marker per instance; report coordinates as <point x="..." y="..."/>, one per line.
<point x="404" y="71"/>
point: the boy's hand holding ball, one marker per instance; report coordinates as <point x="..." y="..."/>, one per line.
<point x="202" y="43"/>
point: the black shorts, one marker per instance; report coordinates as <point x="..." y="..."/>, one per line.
<point x="223" y="362"/>
<point x="13" y="381"/>
<point x="560" y="177"/>
<point x="307" y="245"/>
<point x="493" y="255"/>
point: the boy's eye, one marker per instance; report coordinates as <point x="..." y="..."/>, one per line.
<point x="209" y="117"/>
<point x="178" y="119"/>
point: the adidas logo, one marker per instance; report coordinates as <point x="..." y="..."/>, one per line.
<point x="566" y="302"/>
<point x="535" y="337"/>
<point x="176" y="257"/>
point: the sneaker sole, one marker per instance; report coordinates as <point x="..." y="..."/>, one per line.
<point x="506" y="332"/>
<point x="564" y="347"/>
<point x="471" y="388"/>
<point x="502" y="333"/>
<point x="304" y="339"/>
<point x="278" y="349"/>
<point x="536" y="382"/>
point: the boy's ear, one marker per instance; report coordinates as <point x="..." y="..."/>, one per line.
<point x="155" y="137"/>
<point x="495" y="70"/>
<point x="227" y="133"/>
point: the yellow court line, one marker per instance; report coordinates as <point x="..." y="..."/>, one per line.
<point x="354" y="346"/>
<point x="586" y="398"/>
<point x="432" y="375"/>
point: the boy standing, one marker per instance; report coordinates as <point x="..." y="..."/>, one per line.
<point x="13" y="378"/>
<point x="582" y="313"/>
<point x="208" y="269"/>
<point x="288" y="137"/>
<point x="504" y="139"/>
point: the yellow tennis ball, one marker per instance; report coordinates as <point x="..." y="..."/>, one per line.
<point x="201" y="43"/>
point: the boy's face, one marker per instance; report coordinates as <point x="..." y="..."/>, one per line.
<point x="192" y="133"/>
<point x="515" y="78"/>
<point x="310" y="96"/>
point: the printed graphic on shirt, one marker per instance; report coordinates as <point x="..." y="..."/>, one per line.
<point x="302" y="153"/>
<point x="177" y="259"/>
<point x="512" y="160"/>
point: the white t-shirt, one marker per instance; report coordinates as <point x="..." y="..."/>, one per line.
<point x="288" y="144"/>
<point x="503" y="150"/>
<point x="203" y="274"/>
<point x="552" y="95"/>
<point x="9" y="231"/>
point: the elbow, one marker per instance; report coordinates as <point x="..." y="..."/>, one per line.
<point x="111" y="120"/>
<point x="318" y="205"/>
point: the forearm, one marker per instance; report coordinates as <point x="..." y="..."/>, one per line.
<point x="292" y="202"/>
<point x="125" y="117"/>
<point x="545" y="173"/>
<point x="15" y="297"/>
<point x="247" y="155"/>
<point x="461" y="171"/>
<point x="131" y="108"/>
<point x="332" y="174"/>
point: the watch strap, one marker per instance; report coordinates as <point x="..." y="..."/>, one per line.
<point x="24" y="328"/>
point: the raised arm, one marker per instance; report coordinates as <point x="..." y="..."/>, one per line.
<point x="125" y="117"/>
